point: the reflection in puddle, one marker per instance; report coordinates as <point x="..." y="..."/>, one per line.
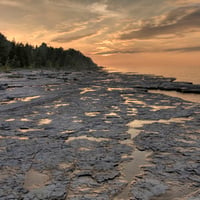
<point x="92" y="114"/>
<point x="10" y="120"/>
<point x="61" y="105"/>
<point x="25" y="120"/>
<point x="7" y="102"/>
<point x="188" y="97"/>
<point x="86" y="138"/>
<point x="44" y="121"/>
<point x="67" y="132"/>
<point x="29" y="130"/>
<point x="119" y="89"/>
<point x="129" y="100"/>
<point x="25" y="99"/>
<point x="132" y="111"/>
<point x="112" y="114"/>
<point x="50" y="113"/>
<point x="35" y="180"/>
<point x="139" y="123"/>
<point x="116" y="108"/>
<point x="85" y="90"/>
<point x="77" y="120"/>
<point x="132" y="168"/>
<point x="57" y="104"/>
<point x="15" y="100"/>
<point x="14" y="137"/>
<point x="156" y="108"/>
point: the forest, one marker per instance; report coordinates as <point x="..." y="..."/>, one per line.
<point x="15" y="55"/>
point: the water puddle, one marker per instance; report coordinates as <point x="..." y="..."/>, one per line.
<point x="26" y="130"/>
<point x="35" y="180"/>
<point x="94" y="139"/>
<point x="118" y="89"/>
<point x="7" y="102"/>
<point x="44" y="122"/>
<point x="77" y="121"/>
<point x="134" y="125"/>
<point x="115" y="108"/>
<point x="129" y="100"/>
<point x="26" y="99"/>
<point x="25" y="120"/>
<point x="61" y="105"/>
<point x="85" y="90"/>
<point x="92" y="114"/>
<point x="188" y="97"/>
<point x="67" y="132"/>
<point x="17" y="99"/>
<point x="132" y="168"/>
<point x="111" y="115"/>
<point x="14" y="137"/>
<point x="10" y="120"/>
<point x="156" y="108"/>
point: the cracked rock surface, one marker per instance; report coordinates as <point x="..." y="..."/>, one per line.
<point x="70" y="135"/>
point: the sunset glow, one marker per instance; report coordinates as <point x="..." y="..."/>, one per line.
<point x="112" y="32"/>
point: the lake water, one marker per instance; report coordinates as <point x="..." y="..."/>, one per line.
<point x="189" y="74"/>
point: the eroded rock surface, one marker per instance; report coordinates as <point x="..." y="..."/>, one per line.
<point x="72" y="131"/>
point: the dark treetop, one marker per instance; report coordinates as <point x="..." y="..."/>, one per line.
<point x="18" y="55"/>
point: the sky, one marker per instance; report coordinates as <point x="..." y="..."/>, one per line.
<point x="113" y="33"/>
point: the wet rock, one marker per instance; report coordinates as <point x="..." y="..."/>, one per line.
<point x="193" y="196"/>
<point x="147" y="188"/>
<point x="90" y="197"/>
<point x="4" y="127"/>
<point x="3" y="86"/>
<point x="51" y="192"/>
<point x="76" y="128"/>
<point x="101" y="177"/>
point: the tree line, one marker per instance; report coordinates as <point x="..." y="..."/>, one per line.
<point x="18" y="55"/>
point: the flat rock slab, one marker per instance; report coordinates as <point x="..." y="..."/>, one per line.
<point x="70" y="135"/>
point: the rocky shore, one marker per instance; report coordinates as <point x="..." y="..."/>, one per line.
<point x="73" y="135"/>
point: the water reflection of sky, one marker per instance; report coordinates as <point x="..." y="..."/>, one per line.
<point x="184" y="73"/>
<point x="188" y="97"/>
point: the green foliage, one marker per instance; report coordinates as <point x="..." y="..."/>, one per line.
<point x="17" y="55"/>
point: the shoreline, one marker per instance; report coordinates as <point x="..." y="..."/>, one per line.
<point x="65" y="135"/>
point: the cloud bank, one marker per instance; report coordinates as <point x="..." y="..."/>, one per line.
<point x="105" y="27"/>
<point x="176" y="22"/>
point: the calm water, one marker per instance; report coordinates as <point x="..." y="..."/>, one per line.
<point x="189" y="74"/>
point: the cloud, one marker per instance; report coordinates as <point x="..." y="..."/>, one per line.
<point x="104" y="27"/>
<point x="10" y="3"/>
<point x="184" y="49"/>
<point x="71" y="37"/>
<point x="119" y="52"/>
<point x="178" y="21"/>
<point x="186" y="2"/>
<point x="136" y="51"/>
